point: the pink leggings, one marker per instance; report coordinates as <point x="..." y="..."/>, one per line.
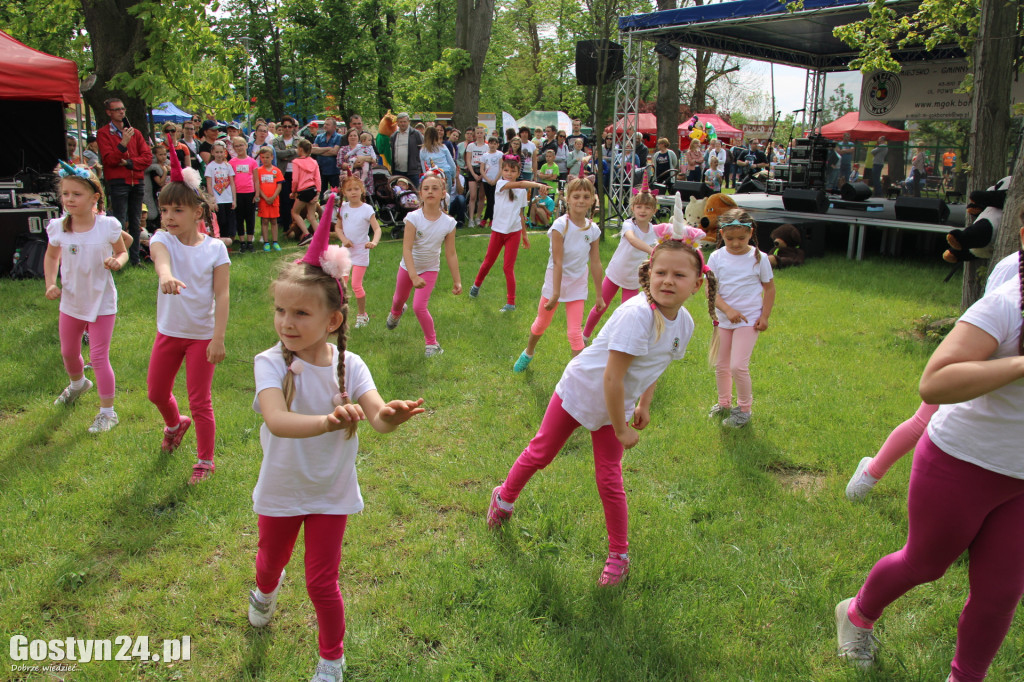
<point x="324" y="534"/>
<point x="100" y="333"/>
<point x="510" y="242"/>
<point x="573" y="320"/>
<point x="420" y="301"/>
<point x="357" y="280"/>
<point x="955" y="506"/>
<point x="168" y="354"/>
<point x="734" y="350"/>
<point x="608" y="291"/>
<point x="555" y="429"/>
<point x="902" y="440"/>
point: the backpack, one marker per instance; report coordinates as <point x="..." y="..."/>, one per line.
<point x="30" y="250"/>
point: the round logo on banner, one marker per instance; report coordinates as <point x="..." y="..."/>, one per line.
<point x="881" y="93"/>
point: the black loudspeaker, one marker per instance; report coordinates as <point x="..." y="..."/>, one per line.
<point x="598" y="62"/>
<point x="922" y="210"/>
<point x="805" y="200"/>
<point x="855" y="191"/>
<point x="751" y="185"/>
<point x="685" y="190"/>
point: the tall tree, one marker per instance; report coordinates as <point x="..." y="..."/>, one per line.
<point x="473" y="20"/>
<point x="667" y="109"/>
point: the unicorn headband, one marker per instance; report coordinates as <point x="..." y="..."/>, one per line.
<point x="678" y="230"/>
<point x="645" y="188"/>
<point x="69" y="171"/>
<point x="437" y="172"/>
<point x="189" y="176"/>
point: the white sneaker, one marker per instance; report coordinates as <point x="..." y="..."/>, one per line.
<point x="260" y="612"/>
<point x="362" y="320"/>
<point x="328" y="672"/>
<point x="856" y="645"/>
<point x="103" y="422"/>
<point x="861" y="482"/>
<point x="433" y="349"/>
<point x="69" y="395"/>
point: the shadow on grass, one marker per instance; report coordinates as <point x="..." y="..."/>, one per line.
<point x="257" y="652"/>
<point x="33" y="434"/>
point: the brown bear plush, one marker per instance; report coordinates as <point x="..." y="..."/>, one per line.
<point x="786" y="252"/>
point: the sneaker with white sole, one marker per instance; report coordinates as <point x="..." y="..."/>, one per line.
<point x="103" y="422"/>
<point x="737" y="419"/>
<point x="861" y="482"/>
<point x="393" y="321"/>
<point x="496" y="514"/>
<point x="507" y="308"/>
<point x="328" y="672"/>
<point x="362" y="320"/>
<point x="857" y="645"/>
<point x="522" y="363"/>
<point x="719" y="410"/>
<point x="433" y="349"/>
<point x="260" y="612"/>
<point x="69" y="395"/>
<point x="474" y="291"/>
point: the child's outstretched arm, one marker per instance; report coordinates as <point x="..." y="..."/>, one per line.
<point x="597" y="274"/>
<point x="766" y="305"/>
<point x="637" y="243"/>
<point x="386" y="417"/>
<point x="615" y="396"/>
<point x="453" y="262"/>
<point x="215" y="351"/>
<point x="162" y="265"/>
<point x="120" y="257"/>
<point x="286" y="424"/>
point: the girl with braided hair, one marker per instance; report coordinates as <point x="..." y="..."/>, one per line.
<point x="966" y="488"/>
<point x="312" y="394"/>
<point x="623" y="364"/>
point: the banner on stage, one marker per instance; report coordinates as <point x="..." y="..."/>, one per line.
<point x="925" y="91"/>
<point x="756" y="130"/>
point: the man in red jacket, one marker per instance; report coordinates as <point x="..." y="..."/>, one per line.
<point x="125" y="156"/>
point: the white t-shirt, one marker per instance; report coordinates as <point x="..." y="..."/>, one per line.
<point x="430" y="234"/>
<point x="221" y="174"/>
<point x="629" y="330"/>
<point x="508" y="212"/>
<point x="1004" y="271"/>
<point x="623" y="268"/>
<point x="490" y="163"/>
<point x="355" y="223"/>
<point x="87" y="288"/>
<point x="988" y="430"/>
<point x="740" y="280"/>
<point x="575" y="260"/>
<point x="476" y="150"/>
<point x="189" y="313"/>
<point x="529" y="151"/>
<point x="315" y="475"/>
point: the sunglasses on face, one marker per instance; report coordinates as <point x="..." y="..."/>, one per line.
<point x="116" y="109"/>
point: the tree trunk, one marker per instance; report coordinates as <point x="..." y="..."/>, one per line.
<point x="990" y="112"/>
<point x="667" y="109"/>
<point x="117" y="40"/>
<point x="1008" y="239"/>
<point x="699" y="97"/>
<point x="472" y="34"/>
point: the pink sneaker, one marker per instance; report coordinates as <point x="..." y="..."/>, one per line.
<point x="172" y="439"/>
<point x="495" y="514"/>
<point x="200" y="472"/>
<point x="616" y="568"/>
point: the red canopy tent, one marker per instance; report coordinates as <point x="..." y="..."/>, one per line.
<point x="643" y="123"/>
<point x="27" y="74"/>
<point x="725" y="132"/>
<point x="862" y="130"/>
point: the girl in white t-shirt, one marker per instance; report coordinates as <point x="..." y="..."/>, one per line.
<point x="490" y="169"/>
<point x="427" y="229"/>
<point x="508" y="226"/>
<point x="85" y="246"/>
<point x="746" y="295"/>
<point x="191" y="314"/>
<point x="574" y="250"/>
<point x="353" y="221"/>
<point x="966" y="490"/>
<point x="475" y="148"/>
<point x="312" y="394"/>
<point x="623" y="365"/>
<point x="636" y="241"/>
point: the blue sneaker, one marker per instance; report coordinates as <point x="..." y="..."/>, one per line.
<point x="522" y="363"/>
<point x="507" y="308"/>
<point x="474" y="291"/>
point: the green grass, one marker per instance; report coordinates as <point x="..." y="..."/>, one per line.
<point x="742" y="542"/>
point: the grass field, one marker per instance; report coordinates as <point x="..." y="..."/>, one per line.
<point x="742" y="542"/>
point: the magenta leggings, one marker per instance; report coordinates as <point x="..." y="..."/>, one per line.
<point x="324" y="534"/>
<point x="357" y="280"/>
<point x="164" y="363"/>
<point x="100" y="333"/>
<point x="555" y="429"/>
<point x="510" y="242"/>
<point x="420" y="301"/>
<point x="573" y="320"/>
<point x="734" y="350"/>
<point x="608" y="291"/>
<point x="955" y="506"/>
<point x="902" y="440"/>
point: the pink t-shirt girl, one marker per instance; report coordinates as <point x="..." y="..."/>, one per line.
<point x="243" y="173"/>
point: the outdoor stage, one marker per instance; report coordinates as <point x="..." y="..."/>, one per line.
<point x="877" y="214"/>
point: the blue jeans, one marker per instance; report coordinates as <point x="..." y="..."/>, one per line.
<point x="126" y="206"/>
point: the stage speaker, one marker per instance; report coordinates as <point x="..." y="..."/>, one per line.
<point x="805" y="200"/>
<point x="855" y="191"/>
<point x="922" y="210"/>
<point x="598" y="62"/>
<point x="685" y="190"/>
<point x="751" y="185"/>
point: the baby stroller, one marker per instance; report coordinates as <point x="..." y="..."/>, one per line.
<point x="384" y="201"/>
<point x="406" y="201"/>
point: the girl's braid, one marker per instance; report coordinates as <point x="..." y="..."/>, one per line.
<point x="289" y="377"/>
<point x="342" y="333"/>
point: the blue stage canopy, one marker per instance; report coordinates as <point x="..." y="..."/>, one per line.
<point x="168" y="112"/>
<point x="767" y="31"/>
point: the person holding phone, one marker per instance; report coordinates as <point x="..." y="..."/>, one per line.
<point x="125" y="156"/>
